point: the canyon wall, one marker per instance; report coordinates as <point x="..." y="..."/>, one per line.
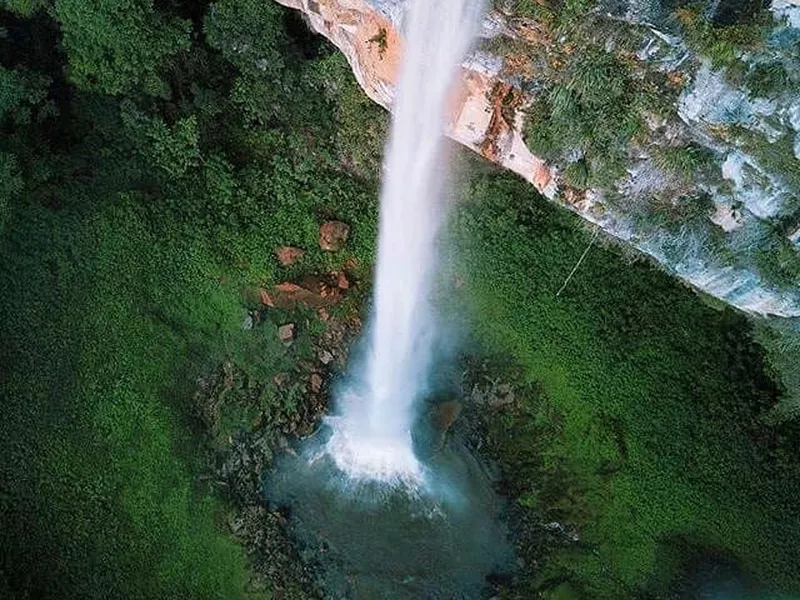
<point x="743" y="249"/>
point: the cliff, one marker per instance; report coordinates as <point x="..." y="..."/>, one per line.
<point x="674" y="132"/>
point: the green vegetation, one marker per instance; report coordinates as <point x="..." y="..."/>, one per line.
<point x="115" y="48"/>
<point x="592" y="94"/>
<point x="641" y="414"/>
<point x="153" y="156"/>
<point x="722" y="43"/>
<point x="686" y="162"/>
<point x="767" y="80"/>
<point x="778" y="259"/>
<point x="781" y="341"/>
<point x="581" y="114"/>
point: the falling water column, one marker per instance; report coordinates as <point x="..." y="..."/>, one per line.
<point x="372" y="435"/>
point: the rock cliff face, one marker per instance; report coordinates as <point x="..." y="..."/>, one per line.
<point x="731" y="231"/>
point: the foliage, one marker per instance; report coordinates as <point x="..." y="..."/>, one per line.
<point x="646" y="428"/>
<point x="583" y="114"/>
<point x="119" y="46"/>
<point x="98" y="499"/>
<point x="687" y="162"/>
<point x="362" y="126"/>
<point x="767" y="80"/>
<point x="776" y="156"/>
<point x="22" y="92"/>
<point x="780" y="339"/>
<point x="174" y="149"/>
<point x="721" y="43"/>
<point x="24" y="8"/>
<point x="249" y="34"/>
<point x="567" y="11"/>
<point x="139" y="199"/>
<point x="11" y="184"/>
<point x="778" y="259"/>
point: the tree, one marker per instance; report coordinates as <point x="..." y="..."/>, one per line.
<point x="24" y="8"/>
<point x="10" y="184"/>
<point x="119" y="46"/>
<point x="173" y="150"/>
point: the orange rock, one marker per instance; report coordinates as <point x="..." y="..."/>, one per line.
<point x="342" y="282"/>
<point x="506" y="100"/>
<point x="542" y="176"/>
<point x="287" y="287"/>
<point x="265" y="298"/>
<point x="288" y="255"/>
<point x="333" y="235"/>
<point x="311" y="291"/>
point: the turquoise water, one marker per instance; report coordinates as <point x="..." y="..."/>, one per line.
<point x="367" y="540"/>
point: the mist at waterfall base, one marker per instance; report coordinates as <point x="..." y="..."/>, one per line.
<point x="372" y="517"/>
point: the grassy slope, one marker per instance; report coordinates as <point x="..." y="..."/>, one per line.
<point x="109" y="310"/>
<point x="97" y="500"/>
<point x="649" y="430"/>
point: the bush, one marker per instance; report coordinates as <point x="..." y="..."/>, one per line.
<point x="721" y="43"/>
<point x="648" y="427"/>
<point x="593" y="113"/>
<point x="687" y="162"/>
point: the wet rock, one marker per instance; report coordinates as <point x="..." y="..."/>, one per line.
<point x="445" y="414"/>
<point x="333" y="235"/>
<point x="286" y="333"/>
<point x="275" y="563"/>
<point x="501" y="396"/>
<point x="256" y="585"/>
<point x="430" y="431"/>
<point x="288" y="255"/>
<point x="496" y="395"/>
<point x="265" y="298"/>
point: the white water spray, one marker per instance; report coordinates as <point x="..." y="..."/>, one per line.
<point x="372" y="435"/>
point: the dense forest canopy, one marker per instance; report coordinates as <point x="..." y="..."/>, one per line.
<point x="153" y="155"/>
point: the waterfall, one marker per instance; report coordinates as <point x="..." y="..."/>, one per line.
<point x="371" y="436"/>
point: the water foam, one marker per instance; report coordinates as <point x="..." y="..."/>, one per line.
<point x="371" y="436"/>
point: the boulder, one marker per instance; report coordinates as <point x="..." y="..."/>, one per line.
<point x="445" y="414"/>
<point x="312" y="291"/>
<point x="333" y="235"/>
<point x="316" y="383"/>
<point x="286" y="334"/>
<point x="430" y="431"/>
<point x="288" y="255"/>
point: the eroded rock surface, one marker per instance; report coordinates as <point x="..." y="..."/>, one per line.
<point x="488" y="116"/>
